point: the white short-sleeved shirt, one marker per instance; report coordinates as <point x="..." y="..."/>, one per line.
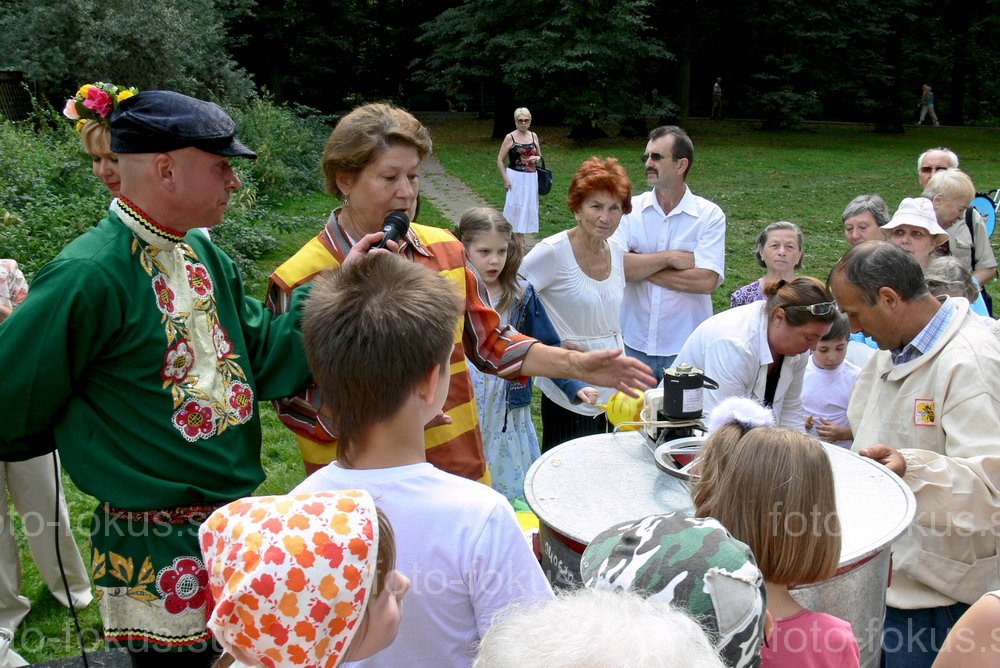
<point x="583" y="310"/>
<point x="657" y="320"/>
<point x="731" y="348"/>
<point x="459" y="543"/>
<point x="826" y="394"/>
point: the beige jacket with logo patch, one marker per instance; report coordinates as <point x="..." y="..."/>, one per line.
<point x="942" y="412"/>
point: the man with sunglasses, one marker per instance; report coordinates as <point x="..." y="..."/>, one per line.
<point x="968" y="239"/>
<point x="676" y="248"/>
<point x="927" y="407"/>
<point x="934" y="160"/>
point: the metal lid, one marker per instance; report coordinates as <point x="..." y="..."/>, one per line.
<point x="588" y="484"/>
<point x="874" y="505"/>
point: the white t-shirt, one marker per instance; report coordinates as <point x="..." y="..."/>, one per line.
<point x="825" y="394"/>
<point x="459" y="543"/>
<point x="731" y="348"/>
<point x="583" y="310"/>
<point x="658" y="320"/>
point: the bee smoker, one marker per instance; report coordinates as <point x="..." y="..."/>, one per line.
<point x="683" y="400"/>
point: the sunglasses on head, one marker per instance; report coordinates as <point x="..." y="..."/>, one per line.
<point x="823" y="308"/>
<point x="655" y="156"/>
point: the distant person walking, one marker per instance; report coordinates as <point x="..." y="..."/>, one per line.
<point x="523" y="151"/>
<point x="717" y="99"/>
<point x="927" y="105"/>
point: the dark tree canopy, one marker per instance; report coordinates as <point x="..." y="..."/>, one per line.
<point x="588" y="63"/>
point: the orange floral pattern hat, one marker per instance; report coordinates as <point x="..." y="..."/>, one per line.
<point x="290" y="575"/>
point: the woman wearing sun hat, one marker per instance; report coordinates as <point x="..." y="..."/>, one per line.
<point x="914" y="228"/>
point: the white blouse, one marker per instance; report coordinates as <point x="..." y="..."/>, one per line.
<point x="583" y="310"/>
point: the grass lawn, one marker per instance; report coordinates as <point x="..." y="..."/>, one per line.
<point x="806" y="177"/>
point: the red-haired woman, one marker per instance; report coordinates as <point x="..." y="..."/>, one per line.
<point x="579" y="275"/>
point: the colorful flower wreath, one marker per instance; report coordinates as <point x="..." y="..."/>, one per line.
<point x="95" y="102"/>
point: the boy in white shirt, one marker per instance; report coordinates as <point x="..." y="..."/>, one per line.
<point x="379" y="333"/>
<point x="827" y="385"/>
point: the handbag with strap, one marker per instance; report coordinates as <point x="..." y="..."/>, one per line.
<point x="544" y="178"/>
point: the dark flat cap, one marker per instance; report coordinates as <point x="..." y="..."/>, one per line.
<point x="157" y="121"/>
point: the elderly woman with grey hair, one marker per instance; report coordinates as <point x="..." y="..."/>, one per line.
<point x="947" y="276"/>
<point x="863" y="219"/>
<point x="780" y="250"/>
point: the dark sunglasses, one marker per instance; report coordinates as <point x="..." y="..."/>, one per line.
<point x="823" y="308"/>
<point x="655" y="156"/>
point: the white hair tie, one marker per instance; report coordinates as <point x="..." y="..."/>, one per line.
<point x="746" y="412"/>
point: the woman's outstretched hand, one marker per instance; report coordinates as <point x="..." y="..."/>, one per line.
<point x="610" y="368"/>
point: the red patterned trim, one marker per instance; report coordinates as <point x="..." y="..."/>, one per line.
<point x="129" y="637"/>
<point x="148" y="223"/>
<point x="178" y="515"/>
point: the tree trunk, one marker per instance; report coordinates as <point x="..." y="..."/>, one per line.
<point x="503" y="110"/>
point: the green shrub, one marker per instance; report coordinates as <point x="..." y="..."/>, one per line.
<point x="289" y="143"/>
<point x="52" y="197"/>
<point x="48" y="189"/>
<point x="787" y="109"/>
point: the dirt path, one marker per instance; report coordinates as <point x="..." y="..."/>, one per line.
<point x="450" y="195"/>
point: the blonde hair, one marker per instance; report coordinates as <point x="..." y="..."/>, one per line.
<point x="521" y="110"/>
<point x="950" y="184"/>
<point x="773" y="489"/>
<point x="485" y="220"/>
<point x="95" y="137"/>
<point x="365" y="134"/>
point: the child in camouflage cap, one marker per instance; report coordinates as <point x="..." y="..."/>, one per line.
<point x="696" y="565"/>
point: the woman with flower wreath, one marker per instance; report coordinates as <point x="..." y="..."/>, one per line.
<point x="90" y="108"/>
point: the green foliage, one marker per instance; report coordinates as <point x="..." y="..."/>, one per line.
<point x="288" y="141"/>
<point x="52" y="197"/>
<point x="582" y="59"/>
<point x="175" y="44"/>
<point x="786" y="108"/>
<point x="48" y="190"/>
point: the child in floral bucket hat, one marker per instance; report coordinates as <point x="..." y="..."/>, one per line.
<point x="302" y="580"/>
<point x="696" y="565"/>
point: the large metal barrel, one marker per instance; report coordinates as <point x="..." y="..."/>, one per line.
<point x="586" y="485"/>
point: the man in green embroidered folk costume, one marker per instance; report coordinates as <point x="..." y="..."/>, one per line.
<point x="138" y="355"/>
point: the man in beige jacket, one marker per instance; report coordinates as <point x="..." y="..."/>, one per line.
<point x="927" y="405"/>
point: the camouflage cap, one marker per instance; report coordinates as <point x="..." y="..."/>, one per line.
<point x="696" y="565"/>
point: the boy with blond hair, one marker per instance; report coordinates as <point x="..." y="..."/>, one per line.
<point x="379" y="335"/>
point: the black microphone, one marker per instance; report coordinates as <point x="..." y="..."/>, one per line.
<point x="394" y="226"/>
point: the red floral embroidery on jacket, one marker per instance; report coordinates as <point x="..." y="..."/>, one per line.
<point x="183" y="585"/>
<point x="199" y="279"/>
<point x="195" y="419"/>
<point x="203" y="406"/>
<point x="178" y="363"/>
<point x="164" y="295"/>
<point x="241" y="400"/>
